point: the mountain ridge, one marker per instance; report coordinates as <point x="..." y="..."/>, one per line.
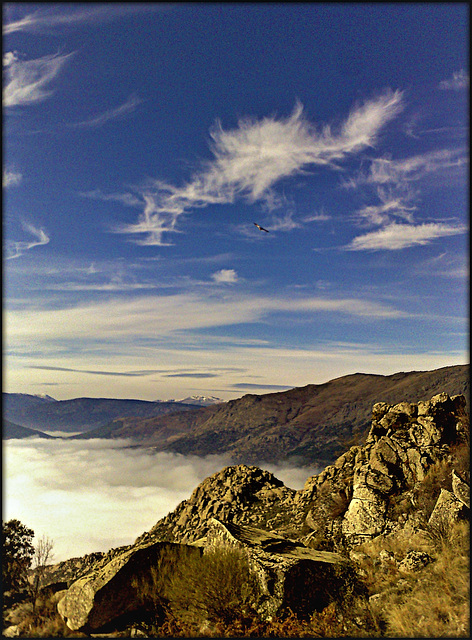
<point x="298" y="425"/>
<point x="79" y="414"/>
<point x="12" y="431"/>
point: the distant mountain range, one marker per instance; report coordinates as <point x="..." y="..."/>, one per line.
<point x="303" y="424"/>
<point x="79" y="414"/>
<point x="314" y="422"/>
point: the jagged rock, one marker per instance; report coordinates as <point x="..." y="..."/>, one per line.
<point x="70" y="570"/>
<point x="290" y="575"/>
<point x="241" y="494"/>
<point x="448" y="509"/>
<point x="461" y="488"/>
<point x="111" y="591"/>
<point x="403" y="442"/>
<point x="366" y="513"/>
<point x="11" y="632"/>
<point x="415" y="560"/>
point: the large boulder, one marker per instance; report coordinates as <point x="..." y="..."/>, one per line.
<point x="290" y="574"/>
<point x="112" y="591"/>
<point x="447" y="510"/>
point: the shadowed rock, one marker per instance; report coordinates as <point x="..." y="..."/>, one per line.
<point x="112" y="590"/>
<point x="290" y="574"/>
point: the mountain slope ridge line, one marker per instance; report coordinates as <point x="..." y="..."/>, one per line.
<point x="300" y="425"/>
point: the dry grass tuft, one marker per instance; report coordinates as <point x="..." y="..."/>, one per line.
<point x="435" y="601"/>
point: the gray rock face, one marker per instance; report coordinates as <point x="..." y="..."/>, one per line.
<point x="461" y="489"/>
<point x="447" y="510"/>
<point x="240" y="494"/>
<point x="111" y="591"/>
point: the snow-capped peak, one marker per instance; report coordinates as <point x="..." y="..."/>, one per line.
<point x="201" y="401"/>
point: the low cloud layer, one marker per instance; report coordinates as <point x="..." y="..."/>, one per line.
<point x="100" y="494"/>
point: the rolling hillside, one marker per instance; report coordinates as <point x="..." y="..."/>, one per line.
<point x="300" y="425"/>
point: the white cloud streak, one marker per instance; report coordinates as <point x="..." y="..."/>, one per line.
<point x="147" y="317"/>
<point x="112" y="114"/>
<point x="249" y="160"/>
<point x="28" y="80"/>
<point x="46" y="20"/>
<point x="16" y="249"/>
<point x="401" y="236"/>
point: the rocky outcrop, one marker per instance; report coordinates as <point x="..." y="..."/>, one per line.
<point x="240" y="494"/>
<point x="404" y="441"/>
<point x="111" y="591"/>
<point x="282" y="566"/>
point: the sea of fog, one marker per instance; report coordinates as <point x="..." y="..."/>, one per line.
<point x="92" y="495"/>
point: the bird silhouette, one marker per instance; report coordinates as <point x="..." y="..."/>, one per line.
<point x="261" y="228"/>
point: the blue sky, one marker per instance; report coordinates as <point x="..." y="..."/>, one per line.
<point x="142" y="142"/>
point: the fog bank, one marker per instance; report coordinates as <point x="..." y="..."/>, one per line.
<point x="98" y="494"/>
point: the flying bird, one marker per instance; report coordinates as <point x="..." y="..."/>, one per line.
<point x="261" y="228"/>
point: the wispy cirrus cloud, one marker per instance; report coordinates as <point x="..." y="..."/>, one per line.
<point x="55" y="16"/>
<point x="16" y="249"/>
<point x="112" y="114"/>
<point x="445" y="265"/>
<point x="249" y="160"/>
<point x="392" y="205"/>
<point x="400" y="236"/>
<point x="147" y="319"/>
<point x="396" y="185"/>
<point x="385" y="171"/>
<point x="459" y="81"/>
<point x="128" y="374"/>
<point x="28" y="80"/>
<point x="125" y="198"/>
